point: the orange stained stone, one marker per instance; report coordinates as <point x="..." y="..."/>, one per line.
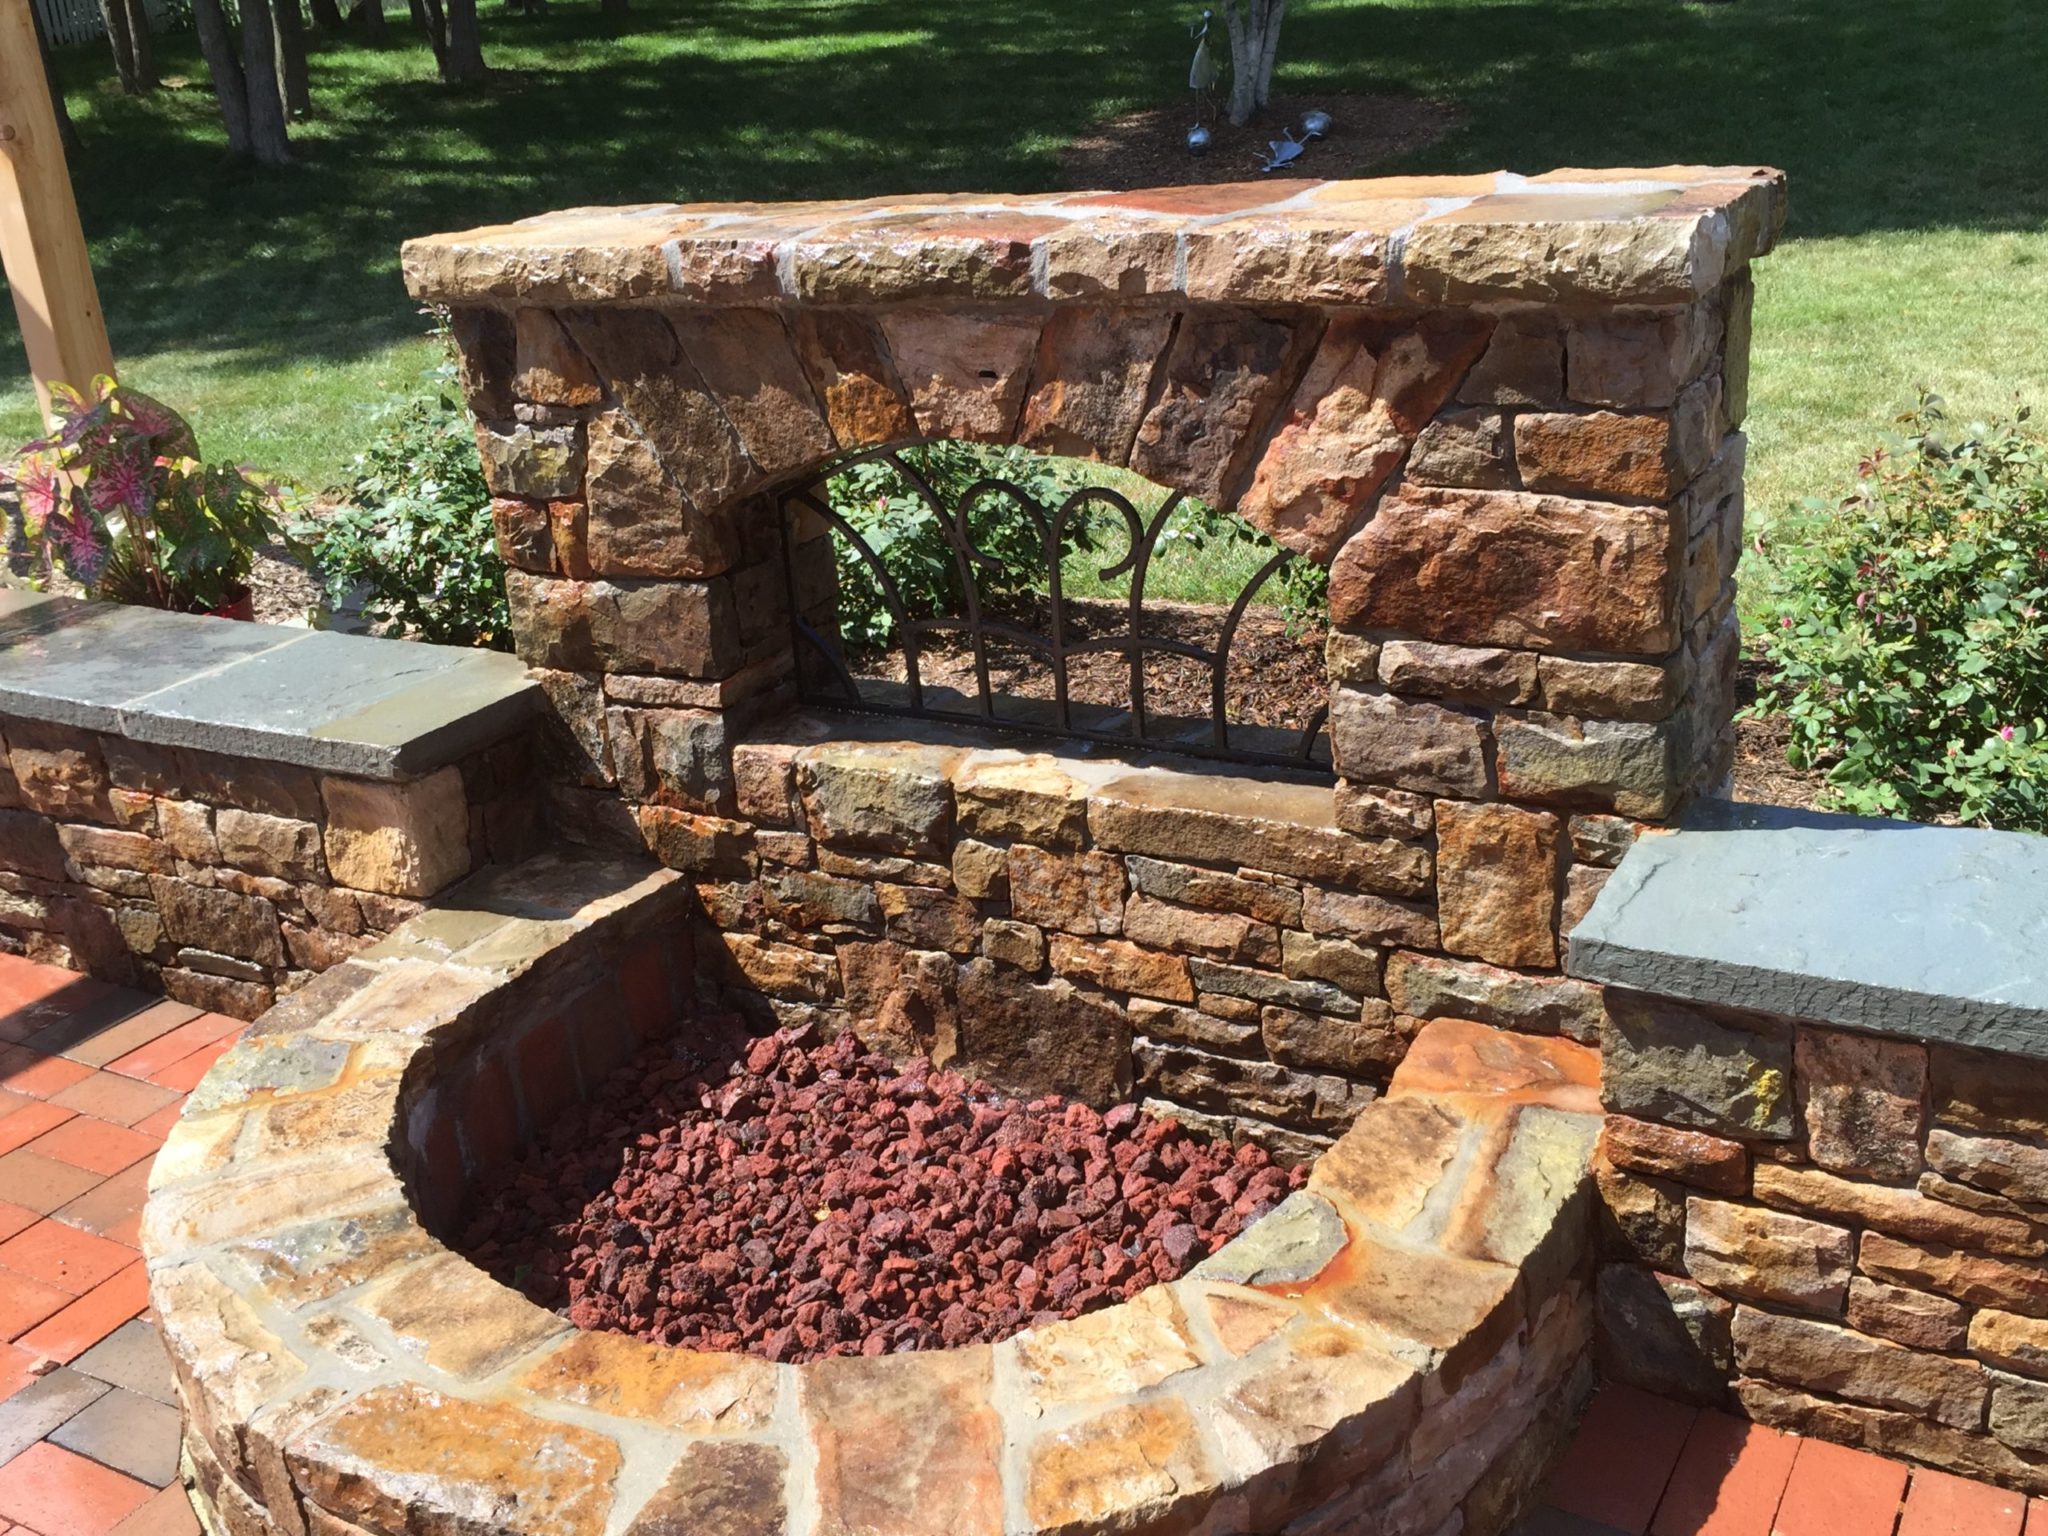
<point x="1320" y="1382"/>
<point x="1456" y="1056"/>
<point x="907" y="1445"/>
<point x="398" y="1449"/>
<point x="1384" y="1169"/>
<point x="1404" y="1295"/>
<point x="1212" y="198"/>
<point x="1242" y="1319"/>
<point x="1117" y="1352"/>
<point x="679" y="1387"/>
<point x="1138" y="1467"/>
<point x="1528" y="206"/>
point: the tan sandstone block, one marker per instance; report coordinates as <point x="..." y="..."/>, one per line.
<point x="906" y="1444"/>
<point x="965" y="370"/>
<point x="1669" y="1151"/>
<point x="1896" y="1212"/>
<point x="1497" y="878"/>
<point x="1862" y="1097"/>
<point x="1078" y="892"/>
<point x="1119" y="966"/>
<point x="458" y="1319"/>
<point x="1141" y="1463"/>
<point x="1826" y="1358"/>
<point x="401" y="839"/>
<point x="1511" y="568"/>
<point x="1030" y="800"/>
<point x="678" y="1388"/>
<point x="1118" y="1352"/>
<point x="2011" y="1342"/>
<point x="1768" y="1256"/>
<point x="1912" y="1318"/>
<point x="413" y="1459"/>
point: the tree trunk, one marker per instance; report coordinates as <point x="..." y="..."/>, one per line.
<point x="267" y="141"/>
<point x="114" y="16"/>
<point x="230" y="87"/>
<point x="293" y="91"/>
<point x="327" y="16"/>
<point x="1254" y="27"/>
<point x="374" y="32"/>
<point x="463" y="64"/>
<point x="614" y="8"/>
<point x="67" y="131"/>
<point x="142" y="48"/>
<point x="426" y="15"/>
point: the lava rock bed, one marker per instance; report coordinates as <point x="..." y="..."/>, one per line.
<point x="806" y="1200"/>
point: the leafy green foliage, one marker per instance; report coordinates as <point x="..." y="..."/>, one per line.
<point x="117" y="500"/>
<point x="416" y="529"/>
<point x="886" y="509"/>
<point x="1908" y="628"/>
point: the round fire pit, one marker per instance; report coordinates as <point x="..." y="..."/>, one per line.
<point x="1397" y="1346"/>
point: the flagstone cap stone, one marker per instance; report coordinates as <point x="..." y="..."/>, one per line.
<point x="1932" y="933"/>
<point x="1661" y="235"/>
<point x="1386" y="1346"/>
<point x="344" y="704"/>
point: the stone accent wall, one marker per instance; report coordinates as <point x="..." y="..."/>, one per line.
<point x="1403" y="1344"/>
<point x="1834" y="1232"/>
<point x="1504" y="412"/>
<point x="228" y="881"/>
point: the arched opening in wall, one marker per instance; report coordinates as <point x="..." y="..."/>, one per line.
<point x="1004" y="588"/>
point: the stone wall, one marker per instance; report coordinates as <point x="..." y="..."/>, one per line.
<point x="221" y="810"/>
<point x="1402" y="1345"/>
<point x="1836" y="1223"/>
<point x="1504" y="412"/>
<point x="224" y="881"/>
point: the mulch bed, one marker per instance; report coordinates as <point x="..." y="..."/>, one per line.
<point x="1762" y="775"/>
<point x="1276" y="678"/>
<point x="1149" y="148"/>
<point x="808" y="1200"/>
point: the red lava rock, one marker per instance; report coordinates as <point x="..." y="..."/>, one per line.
<point x="808" y="1200"/>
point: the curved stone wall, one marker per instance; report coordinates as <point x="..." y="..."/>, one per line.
<point x="1405" y="1338"/>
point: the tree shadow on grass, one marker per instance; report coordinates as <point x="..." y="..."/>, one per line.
<point x="1920" y="114"/>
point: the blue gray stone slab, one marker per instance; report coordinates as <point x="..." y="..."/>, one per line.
<point x="346" y="704"/>
<point x="349" y="704"/>
<point x="1929" y="933"/>
<point x="99" y="658"/>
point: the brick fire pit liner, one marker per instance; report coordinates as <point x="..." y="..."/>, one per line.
<point x="1403" y="1341"/>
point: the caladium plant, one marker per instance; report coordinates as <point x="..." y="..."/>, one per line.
<point x="117" y="500"/>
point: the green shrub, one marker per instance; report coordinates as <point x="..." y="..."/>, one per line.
<point x="1908" y="628"/>
<point x="899" y="525"/>
<point x="416" y="528"/>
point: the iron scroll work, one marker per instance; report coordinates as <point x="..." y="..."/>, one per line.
<point x="1044" y="628"/>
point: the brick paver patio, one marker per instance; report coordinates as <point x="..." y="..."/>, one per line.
<point x="92" y="1076"/>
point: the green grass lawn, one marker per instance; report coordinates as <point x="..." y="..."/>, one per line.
<point x="267" y="304"/>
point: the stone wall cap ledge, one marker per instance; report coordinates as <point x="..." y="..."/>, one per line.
<point x="1654" y="235"/>
<point x="1929" y="933"/>
<point x="353" y="705"/>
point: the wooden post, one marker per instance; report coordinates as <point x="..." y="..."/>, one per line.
<point x="41" y="241"/>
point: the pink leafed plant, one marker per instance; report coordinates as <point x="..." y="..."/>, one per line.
<point x="116" y="500"/>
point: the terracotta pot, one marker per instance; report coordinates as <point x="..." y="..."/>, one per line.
<point x="242" y="606"/>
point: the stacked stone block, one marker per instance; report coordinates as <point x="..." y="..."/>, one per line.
<point x="1834" y="1232"/>
<point x="1503" y="412"/>
<point x="228" y="881"/>
<point x="1402" y="1344"/>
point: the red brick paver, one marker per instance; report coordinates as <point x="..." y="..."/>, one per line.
<point x="91" y="1081"/>
<point x="1730" y="1478"/>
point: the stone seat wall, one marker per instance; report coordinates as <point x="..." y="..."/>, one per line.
<point x="1404" y="1342"/>
<point x="1825" y="1166"/>
<point x="221" y="810"/>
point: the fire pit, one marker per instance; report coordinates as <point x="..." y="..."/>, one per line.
<point x="1400" y="1340"/>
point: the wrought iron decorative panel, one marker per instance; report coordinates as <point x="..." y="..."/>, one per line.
<point x="953" y="664"/>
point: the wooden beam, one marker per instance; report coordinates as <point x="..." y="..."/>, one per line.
<point x="41" y="241"/>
